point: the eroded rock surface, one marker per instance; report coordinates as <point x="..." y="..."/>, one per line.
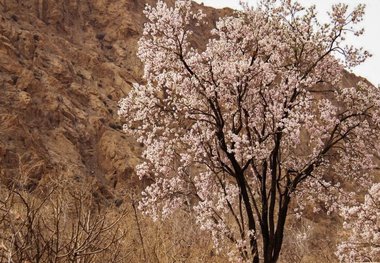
<point x="63" y="67"/>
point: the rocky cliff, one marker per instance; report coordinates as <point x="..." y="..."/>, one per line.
<point x="63" y="67"/>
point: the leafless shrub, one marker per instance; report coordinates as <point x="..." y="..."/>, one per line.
<point x="61" y="225"/>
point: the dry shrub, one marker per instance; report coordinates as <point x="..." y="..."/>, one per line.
<point x="309" y="241"/>
<point x="62" y="224"/>
<point x="66" y="221"/>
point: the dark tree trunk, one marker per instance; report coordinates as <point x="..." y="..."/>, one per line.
<point x="251" y="220"/>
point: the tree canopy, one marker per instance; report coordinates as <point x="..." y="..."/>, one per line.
<point x="257" y="120"/>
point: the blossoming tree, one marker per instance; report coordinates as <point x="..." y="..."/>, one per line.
<point x="253" y="123"/>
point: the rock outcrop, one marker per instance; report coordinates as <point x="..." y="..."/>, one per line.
<point x="63" y="67"/>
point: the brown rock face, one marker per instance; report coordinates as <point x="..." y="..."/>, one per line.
<point x="63" y="67"/>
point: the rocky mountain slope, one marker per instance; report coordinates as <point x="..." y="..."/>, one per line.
<point x="63" y="67"/>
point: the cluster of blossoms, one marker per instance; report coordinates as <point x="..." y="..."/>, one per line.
<point x="258" y="118"/>
<point x="363" y="222"/>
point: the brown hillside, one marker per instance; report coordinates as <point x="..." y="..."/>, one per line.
<point x="63" y="67"/>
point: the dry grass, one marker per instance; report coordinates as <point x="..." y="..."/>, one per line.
<point x="65" y="221"/>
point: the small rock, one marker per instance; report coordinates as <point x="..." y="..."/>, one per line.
<point x="100" y="36"/>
